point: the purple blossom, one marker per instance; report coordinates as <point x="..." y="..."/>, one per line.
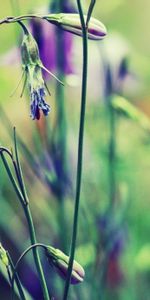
<point x="32" y="68"/>
<point x="46" y="37"/>
<point x="38" y="103"/>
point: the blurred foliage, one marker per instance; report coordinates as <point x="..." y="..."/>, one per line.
<point x="132" y="163"/>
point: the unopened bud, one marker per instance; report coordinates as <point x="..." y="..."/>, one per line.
<point x="72" y="23"/>
<point x="3" y="256"/>
<point x="61" y="261"/>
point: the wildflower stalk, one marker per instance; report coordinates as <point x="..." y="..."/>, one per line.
<point x="90" y="10"/>
<point x="80" y="149"/>
<point x="61" y="120"/>
<point x="22" y="196"/>
<point x="14" y="268"/>
<point x="30" y="225"/>
<point x="35" y="252"/>
<point x="16" y="279"/>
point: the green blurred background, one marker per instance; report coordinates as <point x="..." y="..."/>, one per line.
<point x="129" y="23"/>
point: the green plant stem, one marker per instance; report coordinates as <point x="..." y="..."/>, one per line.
<point x="28" y="215"/>
<point x="14" y="268"/>
<point x="16" y="278"/>
<point x="24" y="202"/>
<point x="62" y="126"/>
<point x="80" y="150"/>
<point x="35" y="252"/>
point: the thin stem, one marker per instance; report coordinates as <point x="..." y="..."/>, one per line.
<point x="90" y="10"/>
<point x="24" y="202"/>
<point x="80" y="150"/>
<point x="27" y="250"/>
<point x="51" y="18"/>
<point x="35" y="252"/>
<point x="31" y="226"/>
<point x="61" y="132"/>
<point x="19" y="171"/>
<point x="16" y="278"/>
<point x="12" y="179"/>
<point x="14" y="268"/>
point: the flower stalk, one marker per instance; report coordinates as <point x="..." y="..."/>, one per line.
<point x="67" y="21"/>
<point x="80" y="149"/>
<point x="19" y="187"/>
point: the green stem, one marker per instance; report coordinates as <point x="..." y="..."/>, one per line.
<point x="80" y="150"/>
<point x="35" y="252"/>
<point x="14" y="269"/>
<point x="61" y="121"/>
<point x="30" y="224"/>
<point x="24" y="202"/>
<point x="16" y="278"/>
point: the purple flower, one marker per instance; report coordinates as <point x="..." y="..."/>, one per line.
<point x="32" y="68"/>
<point x="46" y="38"/>
<point x="37" y="93"/>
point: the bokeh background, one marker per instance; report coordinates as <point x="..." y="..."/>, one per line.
<point x="114" y="225"/>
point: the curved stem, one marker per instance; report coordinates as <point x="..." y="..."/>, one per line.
<point x="16" y="278"/>
<point x="7" y="20"/>
<point x="30" y="224"/>
<point x="21" y="193"/>
<point x="14" y="269"/>
<point x="80" y="150"/>
<point x="35" y="252"/>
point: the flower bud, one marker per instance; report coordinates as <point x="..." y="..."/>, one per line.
<point x="3" y="256"/>
<point x="29" y="50"/>
<point x="72" y="23"/>
<point x="61" y="261"/>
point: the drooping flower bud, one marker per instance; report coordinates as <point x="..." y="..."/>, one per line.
<point x="72" y="23"/>
<point x="32" y="68"/>
<point x="60" y="261"/>
<point x="3" y="256"/>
